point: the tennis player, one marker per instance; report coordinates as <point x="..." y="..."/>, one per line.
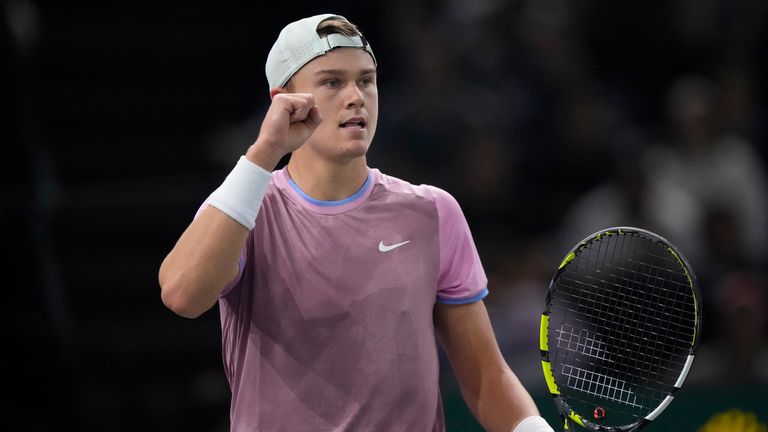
<point x="332" y="277"/>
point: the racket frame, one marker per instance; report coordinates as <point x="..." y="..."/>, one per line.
<point x="567" y="414"/>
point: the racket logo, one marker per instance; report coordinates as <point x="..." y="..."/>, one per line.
<point x="599" y="413"/>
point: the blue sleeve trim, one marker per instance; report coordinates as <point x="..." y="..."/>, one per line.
<point x="477" y="297"/>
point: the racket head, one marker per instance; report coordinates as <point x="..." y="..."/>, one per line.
<point x="620" y="329"/>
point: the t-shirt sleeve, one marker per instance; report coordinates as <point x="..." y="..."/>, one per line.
<point x="240" y="262"/>
<point x="462" y="278"/>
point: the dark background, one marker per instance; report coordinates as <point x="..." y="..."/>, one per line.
<point x="546" y="119"/>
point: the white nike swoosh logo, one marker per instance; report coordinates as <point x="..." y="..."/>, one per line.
<point x="387" y="248"/>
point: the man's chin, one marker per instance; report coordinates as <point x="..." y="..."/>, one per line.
<point x="343" y="151"/>
<point x="354" y="150"/>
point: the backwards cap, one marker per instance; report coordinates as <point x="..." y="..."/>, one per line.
<point x="298" y="43"/>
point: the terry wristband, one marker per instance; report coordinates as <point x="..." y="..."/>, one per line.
<point x="533" y="424"/>
<point x="241" y="193"/>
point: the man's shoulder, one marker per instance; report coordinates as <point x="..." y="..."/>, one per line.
<point x="396" y="185"/>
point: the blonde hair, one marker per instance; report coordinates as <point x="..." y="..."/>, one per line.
<point x="335" y="25"/>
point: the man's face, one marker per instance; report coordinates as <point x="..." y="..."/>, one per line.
<point x="343" y="82"/>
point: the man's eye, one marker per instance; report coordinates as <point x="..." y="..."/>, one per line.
<point x="332" y="83"/>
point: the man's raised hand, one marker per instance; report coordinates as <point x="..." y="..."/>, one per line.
<point x="290" y="120"/>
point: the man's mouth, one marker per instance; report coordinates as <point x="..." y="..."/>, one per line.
<point x="354" y="123"/>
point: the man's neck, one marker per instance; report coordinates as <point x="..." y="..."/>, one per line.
<point x="328" y="181"/>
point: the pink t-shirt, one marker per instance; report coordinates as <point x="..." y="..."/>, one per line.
<point x="328" y="326"/>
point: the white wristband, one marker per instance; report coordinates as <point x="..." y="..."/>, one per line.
<point x="533" y="424"/>
<point x="241" y="193"/>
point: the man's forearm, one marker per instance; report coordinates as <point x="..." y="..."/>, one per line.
<point x="501" y="402"/>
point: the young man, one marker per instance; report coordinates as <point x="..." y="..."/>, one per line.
<point x="332" y="277"/>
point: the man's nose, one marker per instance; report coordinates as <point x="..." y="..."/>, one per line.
<point x="354" y="95"/>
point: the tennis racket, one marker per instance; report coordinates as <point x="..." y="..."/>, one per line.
<point x="620" y="329"/>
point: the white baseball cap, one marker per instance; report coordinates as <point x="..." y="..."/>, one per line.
<point x="298" y="43"/>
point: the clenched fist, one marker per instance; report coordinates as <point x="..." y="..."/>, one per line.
<point x="290" y="120"/>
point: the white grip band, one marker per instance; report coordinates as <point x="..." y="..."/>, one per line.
<point x="241" y="193"/>
<point x="533" y="424"/>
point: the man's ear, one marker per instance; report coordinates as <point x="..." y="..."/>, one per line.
<point x="276" y="91"/>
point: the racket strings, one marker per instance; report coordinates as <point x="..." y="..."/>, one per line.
<point x="665" y="317"/>
<point x="642" y="303"/>
<point x="672" y="320"/>
<point x="589" y="349"/>
<point x="631" y="292"/>
<point x="585" y="285"/>
<point x="600" y="385"/>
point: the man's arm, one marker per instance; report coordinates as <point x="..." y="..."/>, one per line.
<point x="493" y="393"/>
<point x="202" y="262"/>
<point x="205" y="257"/>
